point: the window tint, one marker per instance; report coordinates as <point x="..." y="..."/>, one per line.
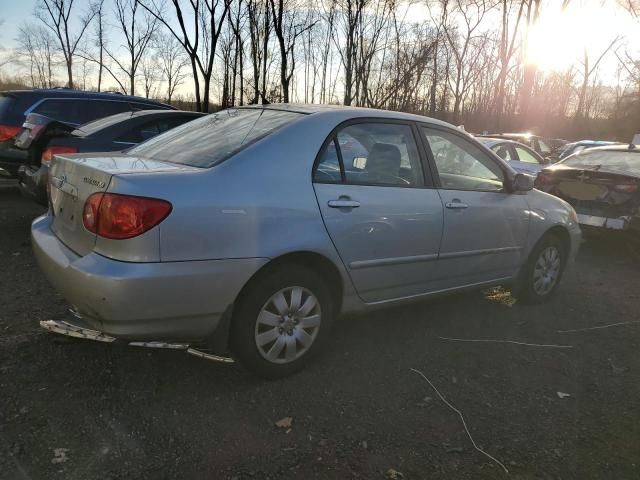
<point x="101" y="108"/>
<point x="503" y="151"/>
<point x="380" y="154"/>
<point x="209" y="140"/>
<point x="64" y="110"/>
<point x="526" y="156"/>
<point x="146" y="106"/>
<point x="328" y="169"/>
<point x="461" y="164"/>
<point x="544" y="148"/>
<point x="148" y="130"/>
<point x="79" y="111"/>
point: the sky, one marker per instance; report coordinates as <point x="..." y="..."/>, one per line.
<point x="557" y="41"/>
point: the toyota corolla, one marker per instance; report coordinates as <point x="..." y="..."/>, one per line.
<point x="250" y="230"/>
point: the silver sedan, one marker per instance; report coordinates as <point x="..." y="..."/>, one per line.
<point x="252" y="229"/>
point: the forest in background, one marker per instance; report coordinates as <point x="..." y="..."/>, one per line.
<point x="463" y="61"/>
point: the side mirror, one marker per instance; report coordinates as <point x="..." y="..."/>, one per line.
<point x="522" y="182"/>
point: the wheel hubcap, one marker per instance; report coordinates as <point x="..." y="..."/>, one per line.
<point x="546" y="270"/>
<point x="287" y="325"/>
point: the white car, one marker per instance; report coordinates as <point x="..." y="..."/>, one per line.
<point x="521" y="158"/>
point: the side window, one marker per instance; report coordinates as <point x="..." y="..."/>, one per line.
<point x="64" y="110"/>
<point x="143" y="132"/>
<point x="461" y="164"/>
<point x="503" y="151"/>
<point x="544" y="148"/>
<point x="380" y="154"/>
<point x="526" y="156"/>
<point x="100" y="108"/>
<point x="328" y="168"/>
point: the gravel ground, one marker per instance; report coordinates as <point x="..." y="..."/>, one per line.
<point x="74" y="409"/>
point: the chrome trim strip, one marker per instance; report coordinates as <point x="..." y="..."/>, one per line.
<point x="486" y="251"/>
<point x="444" y="290"/>
<point x="392" y="261"/>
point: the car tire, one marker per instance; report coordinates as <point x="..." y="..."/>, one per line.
<point x="541" y="274"/>
<point x="281" y="321"/>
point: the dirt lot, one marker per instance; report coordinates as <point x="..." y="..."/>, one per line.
<point x="82" y="410"/>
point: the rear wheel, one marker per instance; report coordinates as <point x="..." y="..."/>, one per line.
<point x="541" y="274"/>
<point x="281" y="321"/>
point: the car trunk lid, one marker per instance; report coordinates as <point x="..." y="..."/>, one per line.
<point x="73" y="178"/>
<point x="596" y="192"/>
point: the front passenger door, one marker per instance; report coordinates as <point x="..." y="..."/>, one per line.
<point x="485" y="227"/>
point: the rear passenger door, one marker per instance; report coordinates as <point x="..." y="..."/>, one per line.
<point x="379" y="208"/>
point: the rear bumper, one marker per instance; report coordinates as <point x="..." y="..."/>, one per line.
<point x="177" y="301"/>
<point x="11" y="159"/>
<point x="33" y="182"/>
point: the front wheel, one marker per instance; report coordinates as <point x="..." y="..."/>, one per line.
<point x="281" y="321"/>
<point x="541" y="274"/>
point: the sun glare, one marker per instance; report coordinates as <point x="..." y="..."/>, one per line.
<point x="559" y="38"/>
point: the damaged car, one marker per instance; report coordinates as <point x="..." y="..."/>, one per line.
<point x="603" y="185"/>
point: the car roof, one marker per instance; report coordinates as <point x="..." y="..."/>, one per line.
<point x="623" y="147"/>
<point x="347" y="111"/>
<point x="491" y="141"/>
<point x="71" y="93"/>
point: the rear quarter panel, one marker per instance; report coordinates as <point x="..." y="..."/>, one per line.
<point x="259" y="203"/>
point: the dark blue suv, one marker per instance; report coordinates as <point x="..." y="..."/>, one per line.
<point x="74" y="107"/>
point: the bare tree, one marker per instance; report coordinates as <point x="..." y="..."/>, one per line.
<point x="507" y="47"/>
<point x="199" y="40"/>
<point x="150" y="72"/>
<point x="137" y="33"/>
<point x="289" y="23"/>
<point x="36" y="49"/>
<point x="172" y="62"/>
<point x="461" y="44"/>
<point x="588" y="69"/>
<point x="99" y="38"/>
<point x="56" y="15"/>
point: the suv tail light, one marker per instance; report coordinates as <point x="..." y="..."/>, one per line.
<point x="49" y="152"/>
<point x="118" y="216"/>
<point x="7" y="132"/>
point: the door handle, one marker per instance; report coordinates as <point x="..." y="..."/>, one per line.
<point x="456" y="205"/>
<point x="343" y="203"/>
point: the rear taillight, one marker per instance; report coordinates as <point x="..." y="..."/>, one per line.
<point x="626" y="188"/>
<point x="49" y="152"/>
<point x="7" y="132"/>
<point x="118" y="217"/>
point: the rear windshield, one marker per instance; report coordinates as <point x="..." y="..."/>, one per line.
<point x="209" y="140"/>
<point x="606" y="160"/>
<point x="92" y="127"/>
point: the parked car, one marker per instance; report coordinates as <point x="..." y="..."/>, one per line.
<point x="541" y="145"/>
<point x="44" y="137"/>
<point x="603" y="185"/>
<point x="69" y="106"/>
<point x="575" y="147"/>
<point x="255" y="227"/>
<point x="520" y="157"/>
